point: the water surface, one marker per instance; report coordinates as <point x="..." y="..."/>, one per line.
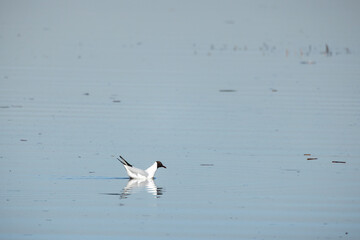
<point x="233" y="97"/>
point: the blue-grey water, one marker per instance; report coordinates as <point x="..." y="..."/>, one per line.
<point x="255" y="119"/>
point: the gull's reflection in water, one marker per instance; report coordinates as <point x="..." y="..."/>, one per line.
<point x="136" y="185"/>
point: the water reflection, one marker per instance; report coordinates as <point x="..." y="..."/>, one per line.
<point x="137" y="185"/>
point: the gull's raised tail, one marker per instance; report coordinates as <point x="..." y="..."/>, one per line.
<point x="123" y="161"/>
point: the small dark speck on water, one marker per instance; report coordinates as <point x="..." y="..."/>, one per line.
<point x="338" y="162"/>
<point x="312" y="159"/>
<point x="230" y="22"/>
<point x="292" y="170"/>
<point x="227" y="90"/>
<point x="116" y="101"/>
<point x="86" y="94"/>
<point x="23" y="140"/>
<point x="308" y="62"/>
<point x="206" y="164"/>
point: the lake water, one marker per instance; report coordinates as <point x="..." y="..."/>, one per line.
<point x="255" y="119"/>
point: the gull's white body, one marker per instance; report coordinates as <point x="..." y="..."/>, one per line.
<point x="137" y="173"/>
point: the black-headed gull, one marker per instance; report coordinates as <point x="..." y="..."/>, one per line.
<point x="137" y="173"/>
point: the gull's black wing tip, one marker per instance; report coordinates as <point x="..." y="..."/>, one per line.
<point x="123" y="161"/>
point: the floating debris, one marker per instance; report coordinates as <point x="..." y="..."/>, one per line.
<point x="327" y="50"/>
<point x="23" y="140"/>
<point x="292" y="170"/>
<point x="338" y="162"/>
<point x="312" y="159"/>
<point x="230" y="21"/>
<point x="307" y="154"/>
<point x="86" y="94"/>
<point x="308" y="62"/>
<point x="274" y="90"/>
<point x="116" y="101"/>
<point x="206" y="164"/>
<point x="227" y="90"/>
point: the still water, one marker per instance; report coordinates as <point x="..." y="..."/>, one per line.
<point x="254" y="110"/>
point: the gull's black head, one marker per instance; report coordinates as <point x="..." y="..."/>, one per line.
<point x="159" y="164"/>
